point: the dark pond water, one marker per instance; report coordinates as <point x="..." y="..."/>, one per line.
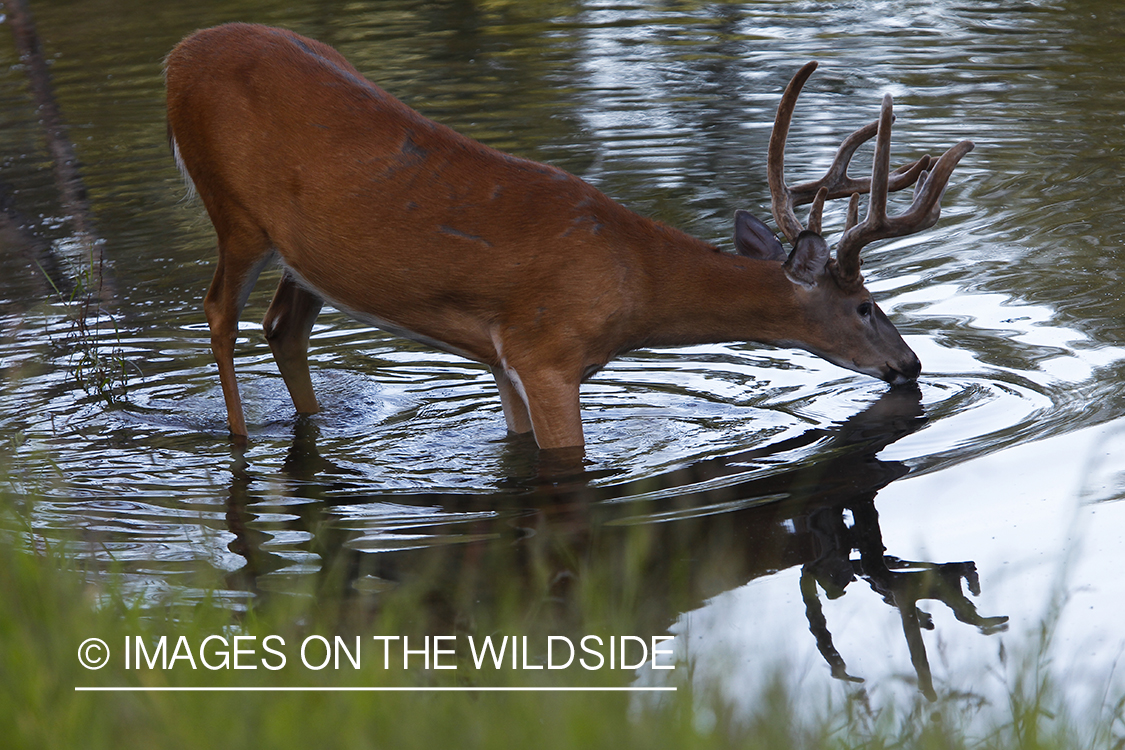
<point x="751" y="476"/>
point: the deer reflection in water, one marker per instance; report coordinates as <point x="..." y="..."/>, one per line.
<point x="663" y="545"/>
<point x="902" y="584"/>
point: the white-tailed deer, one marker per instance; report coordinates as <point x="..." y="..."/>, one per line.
<point x="411" y="227"/>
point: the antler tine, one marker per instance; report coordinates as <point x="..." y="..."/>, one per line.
<point x="841" y="184"/>
<point x="922" y="214"/>
<point x="859" y="235"/>
<point x="836" y="178"/>
<point x="931" y="187"/>
<point x="836" y="181"/>
<point x="781" y="199"/>
<point x="817" y="210"/>
<point x="881" y="164"/>
<point x="853" y="212"/>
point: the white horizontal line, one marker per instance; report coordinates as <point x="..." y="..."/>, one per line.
<point x="374" y="689"/>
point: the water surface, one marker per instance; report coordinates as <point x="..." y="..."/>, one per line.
<point x="751" y="474"/>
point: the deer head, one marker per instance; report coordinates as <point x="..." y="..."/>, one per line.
<point x="834" y="287"/>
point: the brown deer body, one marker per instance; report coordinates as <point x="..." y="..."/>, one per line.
<point x="407" y="225"/>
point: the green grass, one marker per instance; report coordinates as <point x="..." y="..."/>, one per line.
<point x="49" y="605"/>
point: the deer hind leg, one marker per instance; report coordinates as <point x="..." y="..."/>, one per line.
<point x="288" y="323"/>
<point x="243" y="252"/>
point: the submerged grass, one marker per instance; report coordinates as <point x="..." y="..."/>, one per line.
<point x="94" y="352"/>
<point x="50" y="603"/>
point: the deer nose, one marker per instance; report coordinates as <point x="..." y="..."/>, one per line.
<point x="907" y="371"/>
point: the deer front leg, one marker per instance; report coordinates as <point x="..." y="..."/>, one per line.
<point x="552" y="404"/>
<point x="288" y="323"/>
<point x="538" y="392"/>
<point x="242" y="254"/>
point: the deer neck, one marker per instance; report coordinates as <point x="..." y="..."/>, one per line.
<point x="698" y="295"/>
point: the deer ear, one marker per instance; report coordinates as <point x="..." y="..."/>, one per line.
<point x="753" y="239"/>
<point x="809" y="259"/>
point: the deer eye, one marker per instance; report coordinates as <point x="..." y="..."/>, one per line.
<point x="865" y="309"/>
